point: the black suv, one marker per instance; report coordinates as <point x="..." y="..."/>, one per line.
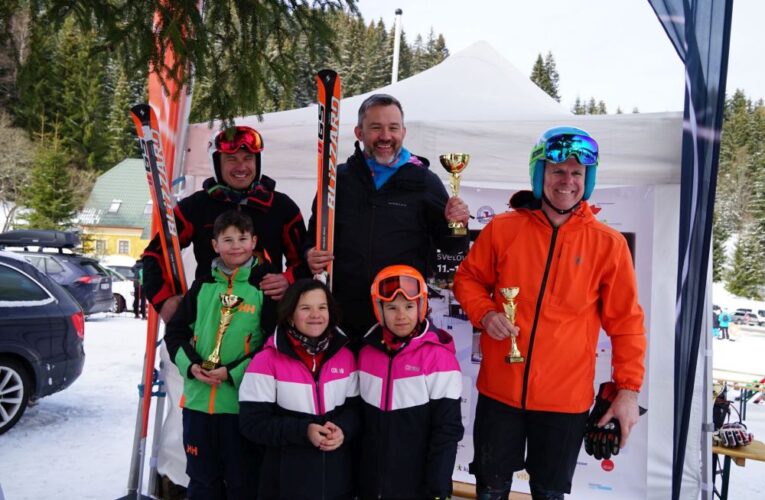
<point x="41" y="337"/>
<point x="81" y="276"/>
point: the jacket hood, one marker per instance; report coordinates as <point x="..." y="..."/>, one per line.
<point x="240" y="274"/>
<point x="253" y="273"/>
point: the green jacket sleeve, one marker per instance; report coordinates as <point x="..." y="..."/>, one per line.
<point x="179" y="332"/>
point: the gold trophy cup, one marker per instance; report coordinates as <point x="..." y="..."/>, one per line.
<point x="229" y="304"/>
<point x="455" y="163"/>
<point x="509" y="294"/>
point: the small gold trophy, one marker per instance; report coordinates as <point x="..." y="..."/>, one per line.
<point x="455" y="163"/>
<point x="228" y="307"/>
<point x="509" y="294"/>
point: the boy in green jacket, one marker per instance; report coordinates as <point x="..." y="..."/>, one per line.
<point x="220" y="324"/>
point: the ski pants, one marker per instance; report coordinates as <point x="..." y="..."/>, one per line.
<point x="501" y="434"/>
<point x="220" y="462"/>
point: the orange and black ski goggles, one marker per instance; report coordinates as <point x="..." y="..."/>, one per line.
<point x="388" y="288"/>
<point x="232" y="140"/>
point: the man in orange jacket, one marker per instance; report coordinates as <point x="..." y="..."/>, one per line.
<point x="575" y="275"/>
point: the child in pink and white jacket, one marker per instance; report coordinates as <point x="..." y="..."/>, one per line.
<point x="411" y="385"/>
<point x="299" y="400"/>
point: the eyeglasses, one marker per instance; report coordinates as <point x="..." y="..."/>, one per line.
<point x="243" y="137"/>
<point x="560" y="148"/>
<point x="407" y="285"/>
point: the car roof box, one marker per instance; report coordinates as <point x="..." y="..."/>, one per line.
<point x="39" y="238"/>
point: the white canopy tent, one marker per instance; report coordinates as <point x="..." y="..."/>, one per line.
<point x="476" y="102"/>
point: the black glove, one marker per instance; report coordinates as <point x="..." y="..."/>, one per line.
<point x="603" y="442"/>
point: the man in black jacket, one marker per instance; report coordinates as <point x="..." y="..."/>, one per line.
<point x="237" y="184"/>
<point x="390" y="209"/>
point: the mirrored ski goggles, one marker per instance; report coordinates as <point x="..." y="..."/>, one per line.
<point x="242" y="137"/>
<point x="560" y="148"/>
<point x="389" y="287"/>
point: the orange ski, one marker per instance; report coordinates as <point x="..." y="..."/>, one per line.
<point x="329" y="95"/>
<point x="147" y="128"/>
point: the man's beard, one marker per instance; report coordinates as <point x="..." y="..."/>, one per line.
<point x="372" y="151"/>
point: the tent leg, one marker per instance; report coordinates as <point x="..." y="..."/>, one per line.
<point x="159" y="419"/>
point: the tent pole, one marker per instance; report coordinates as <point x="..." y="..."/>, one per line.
<point x="396" y="46"/>
<point x="707" y="426"/>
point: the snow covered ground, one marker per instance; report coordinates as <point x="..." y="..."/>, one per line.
<point x="76" y="443"/>
<point x="724" y="298"/>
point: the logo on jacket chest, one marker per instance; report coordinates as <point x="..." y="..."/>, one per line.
<point x="398" y="204"/>
<point x="246" y="308"/>
<point x="411" y="368"/>
<point x="337" y="370"/>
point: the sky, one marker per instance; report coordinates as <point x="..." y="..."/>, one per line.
<point x="615" y="51"/>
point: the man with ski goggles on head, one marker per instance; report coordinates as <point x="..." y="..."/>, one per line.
<point x="237" y="184"/>
<point x="390" y="209"/>
<point x="575" y="275"/>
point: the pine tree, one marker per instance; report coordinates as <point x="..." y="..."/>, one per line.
<point x="50" y="197"/>
<point x="740" y="196"/>
<point x="436" y="49"/>
<point x="120" y="132"/>
<point x="84" y="108"/>
<point x="592" y="107"/>
<point x="578" y="108"/>
<point x="38" y="100"/>
<point x="545" y="75"/>
<point x="602" y="110"/>
<point x="720" y="235"/>
<point x="757" y="175"/>
<point x="733" y="184"/>
<point x="237" y="31"/>
<point x="419" y="55"/>
<point x="747" y="275"/>
<point x="14" y="36"/>
<point x="552" y="77"/>
<point x="538" y="74"/>
<point x="351" y="47"/>
<point x="405" y="58"/>
<point x="377" y="59"/>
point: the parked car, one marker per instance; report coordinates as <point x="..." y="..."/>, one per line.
<point x="42" y="329"/>
<point x="122" y="290"/>
<point x="123" y="264"/>
<point x="745" y="316"/>
<point x="761" y="317"/>
<point x="125" y="271"/>
<point x="83" y="277"/>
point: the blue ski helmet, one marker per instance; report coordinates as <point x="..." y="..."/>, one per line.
<point x="557" y="145"/>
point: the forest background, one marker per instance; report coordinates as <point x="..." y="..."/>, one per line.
<point x="71" y="70"/>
